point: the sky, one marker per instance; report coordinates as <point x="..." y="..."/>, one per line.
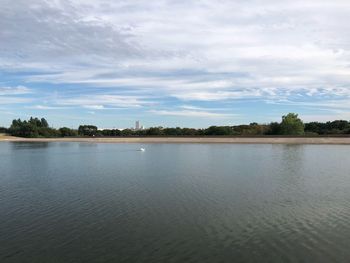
<point x="173" y="62"/>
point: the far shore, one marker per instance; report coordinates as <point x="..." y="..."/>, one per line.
<point x="227" y="140"/>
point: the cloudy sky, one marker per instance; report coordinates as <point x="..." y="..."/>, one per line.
<point x="172" y="62"/>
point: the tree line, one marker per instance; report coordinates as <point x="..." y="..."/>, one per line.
<point x="290" y="124"/>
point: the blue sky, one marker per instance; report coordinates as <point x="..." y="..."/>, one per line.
<point x="173" y="63"/>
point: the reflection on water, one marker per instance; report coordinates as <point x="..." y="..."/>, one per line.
<point x="29" y="145"/>
<point x="77" y="202"/>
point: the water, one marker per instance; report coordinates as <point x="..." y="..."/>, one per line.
<point x="79" y="202"/>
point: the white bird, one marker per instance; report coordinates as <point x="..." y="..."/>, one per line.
<point x="142" y="149"/>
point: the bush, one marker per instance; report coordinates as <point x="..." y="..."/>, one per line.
<point x="67" y="132"/>
<point x="3" y="130"/>
<point x="87" y="130"/>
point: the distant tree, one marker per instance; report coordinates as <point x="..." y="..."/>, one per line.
<point x="334" y="127"/>
<point x="259" y="129"/>
<point x="127" y="132"/>
<point x="87" y="130"/>
<point x="291" y="125"/>
<point x="251" y="129"/>
<point x="34" y="127"/>
<point x="191" y="132"/>
<point x="142" y="132"/>
<point x="3" y="130"/>
<point x="38" y="123"/>
<point x="47" y="132"/>
<point x="155" y="131"/>
<point x="113" y="132"/>
<point x="274" y="129"/>
<point x="339" y="125"/>
<point x="219" y="130"/>
<point x="172" y="131"/>
<point x="315" y="127"/>
<point x="23" y="129"/>
<point x="44" y="123"/>
<point x="67" y="132"/>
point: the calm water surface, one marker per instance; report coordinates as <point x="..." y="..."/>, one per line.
<point x="79" y="202"/>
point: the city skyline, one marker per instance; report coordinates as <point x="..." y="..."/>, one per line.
<point x="173" y="63"/>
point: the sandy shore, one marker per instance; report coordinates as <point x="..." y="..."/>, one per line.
<point x="237" y="140"/>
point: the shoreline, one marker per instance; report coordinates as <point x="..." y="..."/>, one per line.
<point x="223" y="140"/>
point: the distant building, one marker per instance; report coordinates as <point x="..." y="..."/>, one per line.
<point x="137" y="125"/>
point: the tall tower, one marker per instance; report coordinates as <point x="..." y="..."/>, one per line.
<point x="137" y="125"/>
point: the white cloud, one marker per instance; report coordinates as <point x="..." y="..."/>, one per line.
<point x="14" y="95"/>
<point x="18" y="90"/>
<point x="46" y="107"/>
<point x="94" y="107"/>
<point x="190" y="50"/>
<point x="191" y="113"/>
<point x="7" y="100"/>
<point x="99" y="102"/>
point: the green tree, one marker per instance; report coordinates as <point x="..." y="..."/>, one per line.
<point x="172" y="131"/>
<point x="291" y="125"/>
<point x="3" y="130"/>
<point x="127" y="132"/>
<point x="87" y="130"/>
<point x="67" y="132"/>
<point x="34" y="127"/>
<point x="155" y="131"/>
<point x="44" y="123"/>
<point x="274" y="128"/>
<point x="111" y="132"/>
<point x="219" y="130"/>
